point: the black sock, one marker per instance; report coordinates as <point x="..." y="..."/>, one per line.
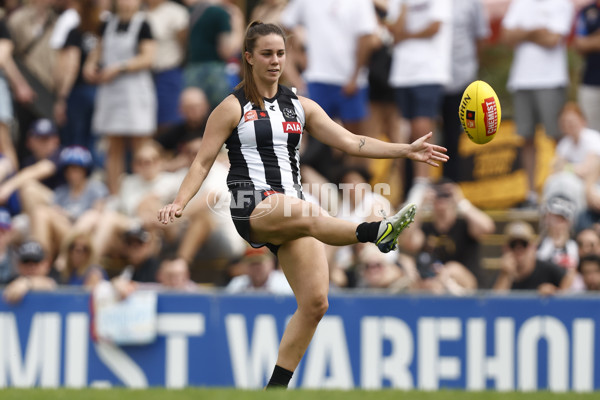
<point x="280" y="378"/>
<point x="367" y="232"/>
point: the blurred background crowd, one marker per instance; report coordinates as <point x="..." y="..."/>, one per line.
<point x="103" y="105"/>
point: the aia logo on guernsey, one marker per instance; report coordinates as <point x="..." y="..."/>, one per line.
<point x="292" y="127"/>
<point x="490" y="116"/>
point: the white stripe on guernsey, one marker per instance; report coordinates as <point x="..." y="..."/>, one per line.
<point x="299" y="111"/>
<point x="247" y="137"/>
<point x="280" y="143"/>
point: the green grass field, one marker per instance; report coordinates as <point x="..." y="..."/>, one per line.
<point x="227" y="394"/>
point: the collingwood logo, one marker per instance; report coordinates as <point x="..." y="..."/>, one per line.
<point x="289" y="113"/>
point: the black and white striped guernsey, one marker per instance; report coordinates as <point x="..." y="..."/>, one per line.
<point x="264" y="147"/>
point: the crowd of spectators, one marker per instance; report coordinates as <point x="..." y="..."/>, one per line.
<point x="103" y="105"/>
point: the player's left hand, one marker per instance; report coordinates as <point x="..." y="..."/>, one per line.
<point x="429" y="153"/>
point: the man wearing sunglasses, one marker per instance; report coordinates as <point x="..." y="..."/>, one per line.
<point x="521" y="270"/>
<point x="34" y="272"/>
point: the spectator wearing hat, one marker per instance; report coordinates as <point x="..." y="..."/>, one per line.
<point x="34" y="272"/>
<point x="520" y="268"/>
<point x="259" y="274"/>
<point x="43" y="143"/>
<point x="40" y="172"/>
<point x="80" y="193"/>
<point x="7" y="267"/>
<point x="556" y="243"/>
<point x="76" y="204"/>
<point x="140" y="249"/>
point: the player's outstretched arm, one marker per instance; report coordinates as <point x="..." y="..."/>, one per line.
<point x="322" y="127"/>
<point x="218" y="128"/>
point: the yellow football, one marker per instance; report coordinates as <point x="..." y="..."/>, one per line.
<point x="479" y="112"/>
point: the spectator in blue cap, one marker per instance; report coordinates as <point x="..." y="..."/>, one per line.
<point x="39" y="175"/>
<point x="76" y="203"/>
<point x="34" y="272"/>
<point x="43" y="142"/>
<point x="80" y="193"/>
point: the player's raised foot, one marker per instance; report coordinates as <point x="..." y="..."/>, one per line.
<point x="391" y="228"/>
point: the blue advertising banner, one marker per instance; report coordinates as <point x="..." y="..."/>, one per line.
<point x="369" y="341"/>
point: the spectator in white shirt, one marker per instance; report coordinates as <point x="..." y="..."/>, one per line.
<point x="538" y="76"/>
<point x="422" y="31"/>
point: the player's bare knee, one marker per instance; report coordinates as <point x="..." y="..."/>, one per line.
<point x="315" y="308"/>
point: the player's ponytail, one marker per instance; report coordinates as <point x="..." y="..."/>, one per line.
<point x="255" y="30"/>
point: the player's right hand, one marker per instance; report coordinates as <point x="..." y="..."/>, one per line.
<point x="169" y="212"/>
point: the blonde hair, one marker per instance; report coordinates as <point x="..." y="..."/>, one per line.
<point x="66" y="246"/>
